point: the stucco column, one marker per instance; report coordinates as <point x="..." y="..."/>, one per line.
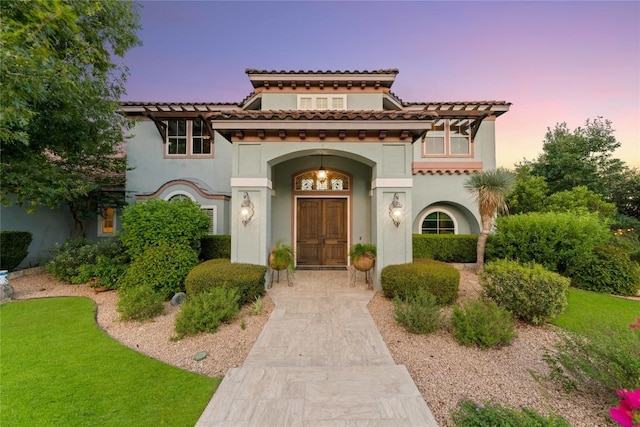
<point x="393" y="242"/>
<point x="249" y="241"/>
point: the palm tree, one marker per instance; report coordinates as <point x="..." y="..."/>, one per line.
<point x="490" y="189"/>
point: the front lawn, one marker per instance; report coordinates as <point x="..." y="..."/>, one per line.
<point x="587" y="310"/>
<point x="57" y="367"/>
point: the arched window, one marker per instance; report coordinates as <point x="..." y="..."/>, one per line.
<point x="179" y="195"/>
<point x="438" y="222"/>
<point x="316" y="181"/>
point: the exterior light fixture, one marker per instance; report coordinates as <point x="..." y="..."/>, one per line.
<point x="322" y="173"/>
<point x="246" y="209"/>
<point x="395" y="210"/>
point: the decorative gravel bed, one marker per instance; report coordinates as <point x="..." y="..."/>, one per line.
<point x="444" y="371"/>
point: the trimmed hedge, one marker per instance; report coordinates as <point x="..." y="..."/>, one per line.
<point x="15" y="248"/>
<point x="553" y="239"/>
<point x="530" y="293"/>
<point x="608" y="269"/>
<point x="445" y="247"/>
<point x="214" y="247"/>
<point x="247" y="279"/>
<point x="437" y="278"/>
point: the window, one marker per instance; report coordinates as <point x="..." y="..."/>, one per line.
<point x="312" y="181"/>
<point x="448" y="137"/>
<point x="211" y="213"/>
<point x="107" y="222"/>
<point x="438" y="222"/>
<point x="322" y="102"/>
<point x="187" y="137"/>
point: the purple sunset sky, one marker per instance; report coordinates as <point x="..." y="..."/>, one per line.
<point x="555" y="61"/>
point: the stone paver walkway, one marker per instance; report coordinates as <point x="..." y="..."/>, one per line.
<point x="319" y="361"/>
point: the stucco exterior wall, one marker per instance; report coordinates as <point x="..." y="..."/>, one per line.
<point x="289" y="101"/>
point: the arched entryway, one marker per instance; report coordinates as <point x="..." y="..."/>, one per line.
<point x="322" y="222"/>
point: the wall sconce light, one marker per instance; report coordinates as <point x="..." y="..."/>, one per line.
<point x="246" y="209"/>
<point x="395" y="210"/>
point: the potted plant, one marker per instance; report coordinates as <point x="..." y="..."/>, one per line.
<point x="282" y="257"/>
<point x="363" y="256"/>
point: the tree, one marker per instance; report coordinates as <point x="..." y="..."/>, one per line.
<point x="490" y="189"/>
<point x="59" y="124"/>
<point x="582" y="156"/>
<point x="529" y="193"/>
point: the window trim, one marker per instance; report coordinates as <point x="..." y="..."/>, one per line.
<point x="214" y="218"/>
<point x="438" y="209"/>
<point x="447" y="143"/>
<point x="314" y="97"/>
<point x="189" y="144"/>
<point x="101" y="221"/>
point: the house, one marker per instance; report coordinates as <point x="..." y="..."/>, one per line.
<point x="320" y="159"/>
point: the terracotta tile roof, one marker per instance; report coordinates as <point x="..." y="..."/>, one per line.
<point x="452" y="103"/>
<point x="383" y="71"/>
<point x="321" y="115"/>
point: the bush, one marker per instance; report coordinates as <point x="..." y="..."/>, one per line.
<point x="68" y="260"/>
<point x="489" y="414"/>
<point x="163" y="268"/>
<point x="435" y="277"/>
<point x="110" y="265"/>
<point x="140" y="303"/>
<point x="15" y="248"/>
<point x="608" y="269"/>
<point x="482" y="323"/>
<point x="419" y="314"/>
<point x="554" y="240"/>
<point x="600" y="363"/>
<point x="530" y="293"/>
<point x="206" y="311"/>
<point x="247" y="279"/>
<point x="213" y="247"/>
<point x="154" y="221"/>
<point x="445" y="247"/>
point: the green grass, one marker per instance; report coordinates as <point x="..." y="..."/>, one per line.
<point x="58" y="368"/>
<point x="588" y="310"/>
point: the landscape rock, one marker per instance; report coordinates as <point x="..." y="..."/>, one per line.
<point x="201" y="355"/>
<point x="6" y="291"/>
<point x="178" y="298"/>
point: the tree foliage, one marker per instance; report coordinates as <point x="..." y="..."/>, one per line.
<point x="580" y="200"/>
<point x="529" y="192"/>
<point x="582" y="156"/>
<point x="59" y="99"/>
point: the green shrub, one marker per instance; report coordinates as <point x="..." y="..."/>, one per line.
<point x="530" y="293"/>
<point x="482" y="323"/>
<point x="163" y="268"/>
<point x="247" y="279"/>
<point x="489" y="414"/>
<point x="419" y="314"/>
<point x="256" y="307"/>
<point x="68" y="260"/>
<point x="204" y="312"/>
<point x="554" y="240"/>
<point x="140" y="303"/>
<point x="437" y="278"/>
<point x="445" y="247"/>
<point x="154" y="221"/>
<point x="110" y="265"/>
<point x="14" y="247"/>
<point x="213" y="247"/>
<point x="599" y="362"/>
<point x="607" y="270"/>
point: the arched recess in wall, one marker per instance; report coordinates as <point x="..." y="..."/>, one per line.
<point x="445" y="218"/>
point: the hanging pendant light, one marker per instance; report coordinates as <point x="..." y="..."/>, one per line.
<point x="322" y="173"/>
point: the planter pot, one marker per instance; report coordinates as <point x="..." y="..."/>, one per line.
<point x="278" y="264"/>
<point x="364" y="262"/>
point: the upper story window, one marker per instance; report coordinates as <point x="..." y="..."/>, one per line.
<point x="187" y="137"/>
<point x="448" y="137"/>
<point x="322" y="102"/>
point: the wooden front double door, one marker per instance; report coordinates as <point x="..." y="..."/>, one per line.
<point x="321" y="232"/>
